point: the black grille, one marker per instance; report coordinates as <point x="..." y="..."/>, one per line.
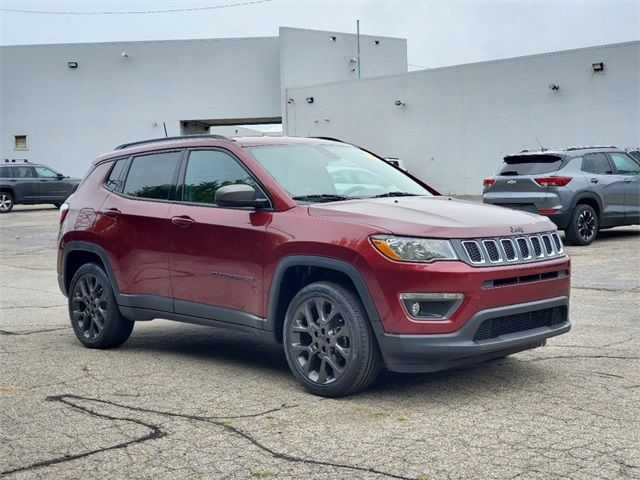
<point x="547" y="244"/>
<point x="556" y="240"/>
<point x="509" y="250"/>
<point x="492" y="250"/>
<point x="524" y="248"/>
<point x="494" y="327"/>
<point x="473" y="250"/>
<point x="537" y="248"/>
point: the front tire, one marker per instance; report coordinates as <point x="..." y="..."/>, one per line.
<point x="93" y="311"/>
<point x="6" y="202"/>
<point x="328" y="341"/>
<point x="583" y="227"/>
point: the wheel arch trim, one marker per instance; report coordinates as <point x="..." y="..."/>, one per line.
<point x="323" y="262"/>
<point x="81" y="246"/>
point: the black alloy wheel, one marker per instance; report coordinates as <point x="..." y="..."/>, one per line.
<point x="93" y="310"/>
<point x="583" y="227"/>
<point x="328" y="341"/>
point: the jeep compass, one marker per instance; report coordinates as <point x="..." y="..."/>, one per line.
<point x="260" y="234"/>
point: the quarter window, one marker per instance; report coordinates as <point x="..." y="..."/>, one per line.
<point x="625" y="164"/>
<point x="152" y="176"/>
<point x="114" y="180"/>
<point x="207" y="171"/>
<point x="596" y="163"/>
<point x="6" y="172"/>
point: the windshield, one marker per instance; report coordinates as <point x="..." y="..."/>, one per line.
<point x="321" y="173"/>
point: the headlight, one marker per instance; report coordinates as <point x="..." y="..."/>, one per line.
<point x="407" y="249"/>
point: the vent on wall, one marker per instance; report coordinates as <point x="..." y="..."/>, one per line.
<point x="20" y="142"/>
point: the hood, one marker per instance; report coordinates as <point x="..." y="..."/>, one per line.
<point x="439" y="217"/>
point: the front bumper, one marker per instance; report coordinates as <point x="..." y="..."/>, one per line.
<point x="430" y="353"/>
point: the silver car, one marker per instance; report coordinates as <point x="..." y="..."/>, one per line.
<point x="581" y="189"/>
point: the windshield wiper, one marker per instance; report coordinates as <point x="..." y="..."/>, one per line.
<point x="396" y="194"/>
<point x="321" y="197"/>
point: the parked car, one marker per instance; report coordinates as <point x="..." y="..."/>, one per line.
<point x="635" y="153"/>
<point x="24" y="183"/>
<point x="251" y="234"/>
<point x="581" y="189"/>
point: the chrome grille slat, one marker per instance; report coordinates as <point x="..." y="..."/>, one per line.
<point x="496" y="251"/>
<point x="493" y="253"/>
<point x="509" y="249"/>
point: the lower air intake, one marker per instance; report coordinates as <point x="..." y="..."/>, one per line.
<point x="520" y="322"/>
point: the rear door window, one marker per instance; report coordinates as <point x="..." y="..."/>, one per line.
<point x="596" y="163"/>
<point x="24" y="172"/>
<point x="153" y="176"/>
<point x="530" y="164"/>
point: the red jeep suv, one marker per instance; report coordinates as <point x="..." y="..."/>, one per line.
<point x="349" y="262"/>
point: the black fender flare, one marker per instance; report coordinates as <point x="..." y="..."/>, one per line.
<point x="328" y="263"/>
<point x="587" y="195"/>
<point x="77" y="245"/>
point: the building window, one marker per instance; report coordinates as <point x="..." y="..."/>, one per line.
<point x="20" y="142"/>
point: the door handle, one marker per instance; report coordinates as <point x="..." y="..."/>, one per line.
<point x="111" y="212"/>
<point x="628" y="180"/>
<point x="594" y="180"/>
<point x="183" y="221"/>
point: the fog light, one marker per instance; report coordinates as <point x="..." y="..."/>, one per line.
<point x="431" y="306"/>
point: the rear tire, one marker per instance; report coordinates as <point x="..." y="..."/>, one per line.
<point x="328" y="341"/>
<point x="583" y="226"/>
<point x="6" y="202"/>
<point x="93" y="311"/>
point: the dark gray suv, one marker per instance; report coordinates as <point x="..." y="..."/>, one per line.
<point x="581" y="189"/>
<point x="29" y="183"/>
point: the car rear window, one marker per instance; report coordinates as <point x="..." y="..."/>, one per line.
<point x="530" y="164"/>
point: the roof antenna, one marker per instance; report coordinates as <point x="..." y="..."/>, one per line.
<point x="165" y="129"/>
<point x="542" y="149"/>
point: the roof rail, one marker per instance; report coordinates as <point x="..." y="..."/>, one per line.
<point x="168" y="139"/>
<point x="588" y="147"/>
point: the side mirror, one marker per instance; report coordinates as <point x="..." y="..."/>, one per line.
<point x="239" y="195"/>
<point x="60" y="176"/>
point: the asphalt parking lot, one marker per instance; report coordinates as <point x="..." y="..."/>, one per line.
<point x="181" y="401"/>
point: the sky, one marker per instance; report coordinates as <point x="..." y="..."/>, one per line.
<point x="438" y="33"/>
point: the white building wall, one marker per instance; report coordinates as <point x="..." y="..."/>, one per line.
<point x="459" y="121"/>
<point x="72" y="115"/>
<point x="310" y="57"/>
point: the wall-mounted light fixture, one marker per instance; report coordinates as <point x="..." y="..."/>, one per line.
<point x="309" y="99"/>
<point x="554" y="86"/>
<point x="72" y="64"/>
<point x="400" y="103"/>
<point x="598" y="67"/>
<point x="333" y="38"/>
<point x="376" y="42"/>
<point x="124" y="54"/>
<point x="290" y="101"/>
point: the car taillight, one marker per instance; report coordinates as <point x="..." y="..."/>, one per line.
<point x="64" y="209"/>
<point x="487" y="182"/>
<point x="552" y="181"/>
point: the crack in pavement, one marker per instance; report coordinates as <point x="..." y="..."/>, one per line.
<point x="611" y="357"/>
<point x="156" y="433"/>
<point x="605" y="289"/>
<point x="7" y="332"/>
<point x="31" y="306"/>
